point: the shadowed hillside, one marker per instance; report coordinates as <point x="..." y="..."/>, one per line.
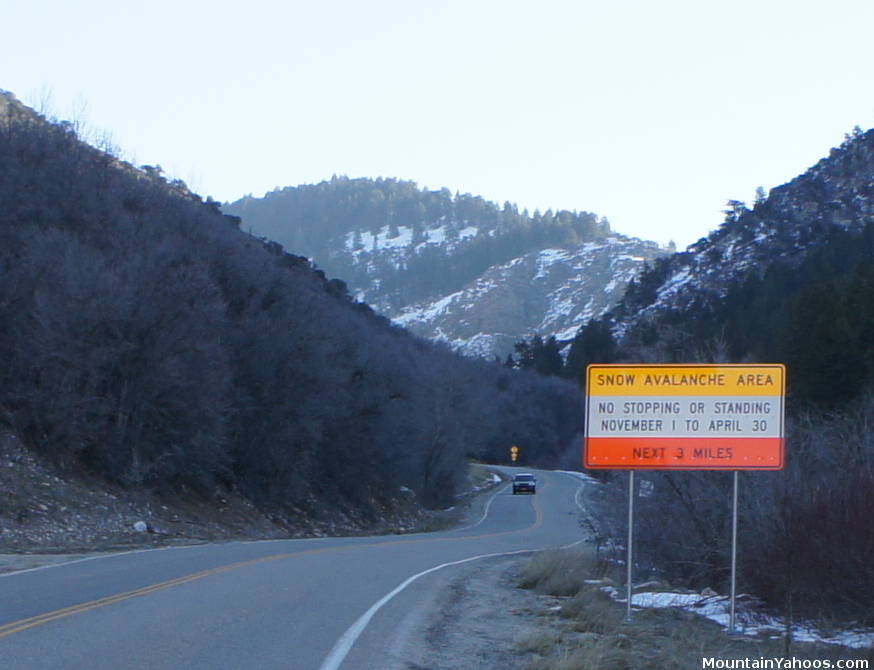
<point x="150" y="342"/>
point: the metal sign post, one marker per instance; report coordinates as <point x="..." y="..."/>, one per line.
<point x="685" y="417"/>
<point x="731" y="619"/>
<point x="629" y="553"/>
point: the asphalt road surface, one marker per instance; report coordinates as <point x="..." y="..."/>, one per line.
<point x="319" y="604"/>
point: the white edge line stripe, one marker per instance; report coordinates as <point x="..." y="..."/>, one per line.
<point x="582" y="483"/>
<point x="501" y="489"/>
<point x="347" y="640"/>
<point x="344" y="645"/>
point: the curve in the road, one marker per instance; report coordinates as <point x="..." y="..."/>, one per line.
<point x="344" y="645"/>
<point x="38" y="620"/>
<point x="381" y="575"/>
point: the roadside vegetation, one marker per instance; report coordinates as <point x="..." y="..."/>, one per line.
<point x="805" y="534"/>
<point x="589" y="631"/>
<point x="148" y="342"/>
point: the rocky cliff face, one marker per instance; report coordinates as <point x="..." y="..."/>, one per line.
<point x="551" y="291"/>
<point x="836" y="194"/>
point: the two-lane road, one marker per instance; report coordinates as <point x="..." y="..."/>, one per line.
<point x="320" y="604"/>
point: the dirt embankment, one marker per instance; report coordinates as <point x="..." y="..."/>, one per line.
<point x="48" y="515"/>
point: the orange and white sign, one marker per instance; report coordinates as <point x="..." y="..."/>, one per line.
<point x="685" y="417"/>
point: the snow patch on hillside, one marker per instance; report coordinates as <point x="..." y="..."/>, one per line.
<point x="361" y="242"/>
<point x="548" y="292"/>
<point x="568" y="333"/>
<point x="382" y="240"/>
<point x="546" y="259"/>
<point x="428" y="312"/>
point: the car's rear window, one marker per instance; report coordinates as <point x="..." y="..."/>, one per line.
<point x="524" y="478"/>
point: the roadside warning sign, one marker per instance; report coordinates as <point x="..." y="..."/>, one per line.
<point x="685" y="417"/>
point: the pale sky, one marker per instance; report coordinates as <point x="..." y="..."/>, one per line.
<point x="652" y="113"/>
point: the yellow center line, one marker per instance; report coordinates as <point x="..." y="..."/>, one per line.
<point x="31" y="622"/>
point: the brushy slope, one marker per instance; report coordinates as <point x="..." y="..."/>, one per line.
<point x="149" y="341"/>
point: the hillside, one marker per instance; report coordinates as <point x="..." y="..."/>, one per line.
<point x="454" y="268"/>
<point x="151" y="344"/>
<point x="794" y="222"/>
<point x="548" y="291"/>
<point x="788" y="280"/>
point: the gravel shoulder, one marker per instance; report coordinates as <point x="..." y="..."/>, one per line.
<point x="478" y="620"/>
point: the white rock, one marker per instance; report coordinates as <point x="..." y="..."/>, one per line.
<point x="141" y="526"/>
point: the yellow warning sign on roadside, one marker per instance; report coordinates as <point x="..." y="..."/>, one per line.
<point x="689" y="416"/>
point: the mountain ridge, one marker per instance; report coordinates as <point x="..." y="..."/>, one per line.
<point x="435" y="263"/>
<point x="835" y="194"/>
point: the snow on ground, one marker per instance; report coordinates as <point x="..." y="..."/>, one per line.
<point x="718" y="608"/>
<point x="559" y="307"/>
<point x="436" y="235"/>
<point x="548" y="257"/>
<point x="470" y="231"/>
<point x="748" y="622"/>
<point x="492" y="481"/>
<point x="672" y="285"/>
<point x="580" y="475"/>
<point x="426" y="313"/>
<point x="568" y="333"/>
<point x="480" y="345"/>
<point x="381" y="239"/>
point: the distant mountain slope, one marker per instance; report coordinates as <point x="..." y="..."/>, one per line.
<point x="442" y="264"/>
<point x="832" y="199"/>
<point x="552" y="291"/>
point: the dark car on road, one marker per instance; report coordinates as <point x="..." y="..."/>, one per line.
<point x="524" y="483"/>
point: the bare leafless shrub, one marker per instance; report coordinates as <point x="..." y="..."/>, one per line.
<point x="805" y="533"/>
<point x="146" y="338"/>
<point x="812" y="539"/>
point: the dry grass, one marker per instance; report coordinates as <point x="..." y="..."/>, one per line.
<point x="593" y="611"/>
<point x="591" y="632"/>
<point x="559" y="572"/>
<point x="541" y="643"/>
